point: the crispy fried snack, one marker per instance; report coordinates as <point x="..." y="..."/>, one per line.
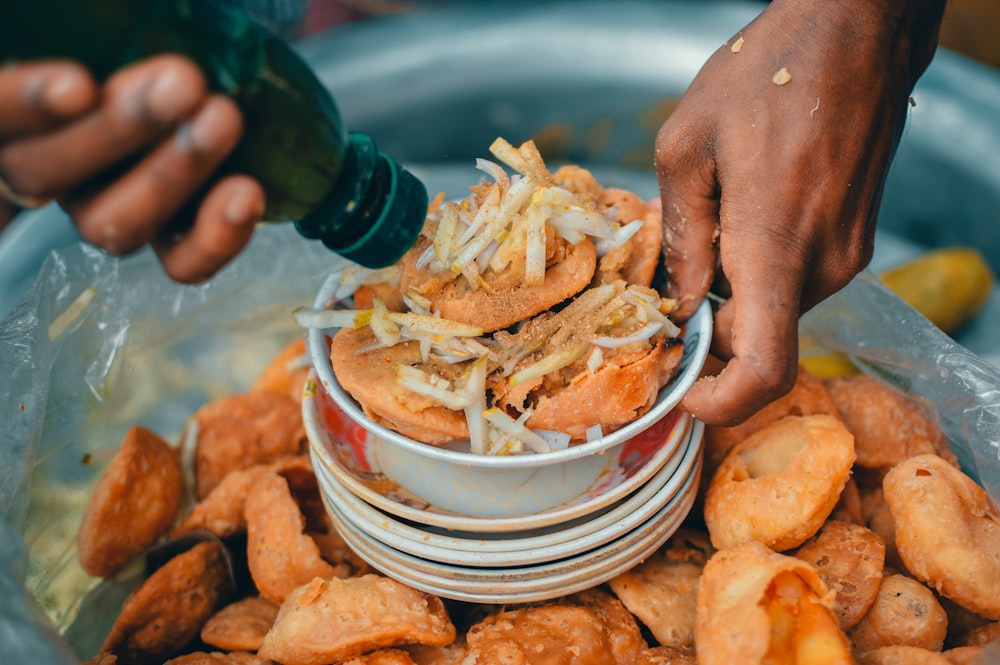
<point x="134" y="503"/>
<point x="888" y="425"/>
<point x="780" y="484"/>
<point x="286" y="373"/>
<point x="371" y="376"/>
<point x="848" y="508"/>
<point x="218" y="658"/>
<point x="243" y="430"/>
<point x="635" y="260"/>
<point x="850" y="559"/>
<point x="947" y="531"/>
<point x="240" y="626"/>
<point x="222" y="512"/>
<point x="168" y="610"/>
<point x="758" y="606"/>
<point x="578" y="395"/>
<point x="903" y="655"/>
<point x="662" y="655"/>
<point x="532" y="268"/>
<point x="383" y="657"/>
<point x="662" y="591"/>
<point x="980" y="635"/>
<point x="905" y="612"/>
<point x="332" y="620"/>
<point x="599" y="630"/>
<point x="806" y="398"/>
<point x="449" y="654"/>
<point x="280" y="555"/>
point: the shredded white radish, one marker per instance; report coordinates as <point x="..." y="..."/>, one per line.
<point x="516" y="430"/>
<point x="430" y="385"/>
<point x="308" y="317"/>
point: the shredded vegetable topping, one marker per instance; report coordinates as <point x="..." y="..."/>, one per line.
<point x="508" y="219"/>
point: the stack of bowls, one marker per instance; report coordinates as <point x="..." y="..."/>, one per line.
<point x="504" y="529"/>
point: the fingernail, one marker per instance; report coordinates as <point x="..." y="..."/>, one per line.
<point x="61" y="92"/>
<point x="244" y="206"/>
<point x="203" y="132"/>
<point x="166" y="99"/>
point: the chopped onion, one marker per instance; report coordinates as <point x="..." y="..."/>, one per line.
<point x="640" y="335"/>
<point x="594" y="433"/>
<point x="309" y="317"/>
<point x="620" y="236"/>
<point x="434" y="325"/>
<point x="474" y="390"/>
<point x="516" y="429"/>
<point x="534" y="256"/>
<point x="430" y="385"/>
<point x="384" y="328"/>
<point x="550" y="363"/>
<point x="416" y="302"/>
<point x="493" y="169"/>
<point x="556" y="440"/>
<point x="446" y="236"/>
<point x="595" y="360"/>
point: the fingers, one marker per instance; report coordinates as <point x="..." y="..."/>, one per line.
<point x="131" y="211"/>
<point x="39" y="95"/>
<point x="756" y="329"/>
<point x="690" y="210"/>
<point x="138" y="107"/>
<point x="222" y="229"/>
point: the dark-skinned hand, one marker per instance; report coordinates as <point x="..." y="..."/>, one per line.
<point x="126" y="157"/>
<point x="771" y="172"/>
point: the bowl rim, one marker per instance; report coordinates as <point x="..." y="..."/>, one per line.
<point x="631" y="512"/>
<point x="697" y="336"/>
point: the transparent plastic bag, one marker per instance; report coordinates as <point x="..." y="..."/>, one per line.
<point x="99" y="344"/>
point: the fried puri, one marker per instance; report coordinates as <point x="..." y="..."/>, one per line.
<point x="758" y="606"/>
<point x="280" y="555"/>
<point x="850" y="559"/>
<point x="504" y="299"/>
<point x="592" y="627"/>
<point x="905" y="612"/>
<point x="947" y="531"/>
<point x="806" y="398"/>
<point x="888" y="425"/>
<point x="903" y="655"/>
<point x="371" y="374"/>
<point x="168" y="610"/>
<point x="327" y="621"/>
<point x="239" y="431"/>
<point x="662" y="591"/>
<point x="779" y="485"/>
<point x="240" y="626"/>
<point x="287" y="371"/>
<point x="134" y="503"/>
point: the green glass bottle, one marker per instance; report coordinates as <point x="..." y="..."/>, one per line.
<point x="336" y="187"/>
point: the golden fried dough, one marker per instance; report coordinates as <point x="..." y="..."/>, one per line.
<point x="947" y="531"/>
<point x="168" y="610"/>
<point x="903" y="655"/>
<point x="506" y="299"/>
<point x="906" y="613"/>
<point x="850" y="559"/>
<point x="286" y="373"/>
<point x="134" y="503"/>
<point x="758" y="606"/>
<point x="426" y="654"/>
<point x="240" y="626"/>
<point x="218" y="658"/>
<point x="383" y="657"/>
<point x="888" y="425"/>
<point x="280" y="555"/>
<point x="780" y="484"/>
<point x="221" y="512"/>
<point x="327" y="621"/>
<point x="662" y="591"/>
<point x="806" y="398"/>
<point x="243" y="430"/>
<point x="556" y="633"/>
<point x="371" y="377"/>
<point x="662" y="655"/>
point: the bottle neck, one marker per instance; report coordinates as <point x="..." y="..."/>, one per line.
<point x="374" y="212"/>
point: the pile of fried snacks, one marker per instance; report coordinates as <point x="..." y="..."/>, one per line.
<point x="832" y="527"/>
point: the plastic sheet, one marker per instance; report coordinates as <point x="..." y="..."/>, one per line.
<point x="142" y="349"/>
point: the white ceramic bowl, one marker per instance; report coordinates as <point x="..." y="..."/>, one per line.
<point x="473" y="549"/>
<point x="554" y="494"/>
<point x="697" y="336"/>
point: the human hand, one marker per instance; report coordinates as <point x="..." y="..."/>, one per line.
<point x="129" y="159"/>
<point x="771" y="184"/>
